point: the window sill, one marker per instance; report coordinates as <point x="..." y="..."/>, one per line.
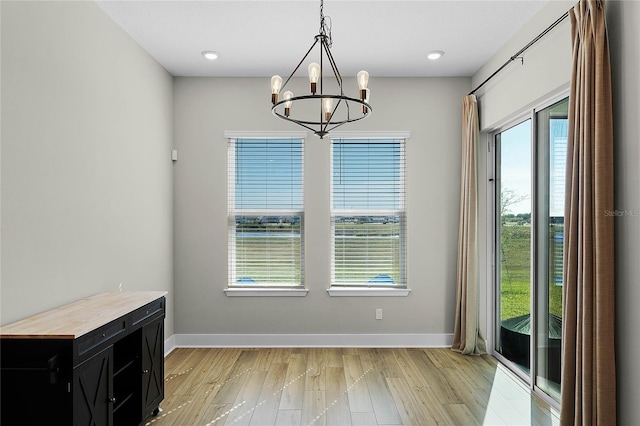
<point x="266" y="292"/>
<point x="368" y="292"/>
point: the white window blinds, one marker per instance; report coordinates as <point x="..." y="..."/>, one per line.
<point x="368" y="221"/>
<point x="266" y="229"/>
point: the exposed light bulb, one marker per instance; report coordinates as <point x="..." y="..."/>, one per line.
<point x="287" y="105"/>
<point x="327" y="106"/>
<point x="276" y="85"/>
<point x="314" y="75"/>
<point x="363" y="80"/>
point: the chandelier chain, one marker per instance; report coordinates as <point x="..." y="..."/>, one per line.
<point x="325" y="29"/>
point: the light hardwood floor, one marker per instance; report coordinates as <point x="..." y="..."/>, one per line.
<point x="338" y="386"/>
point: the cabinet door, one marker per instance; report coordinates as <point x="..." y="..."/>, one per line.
<point x="93" y="390"/>
<point x="152" y="366"/>
<point x="35" y="376"/>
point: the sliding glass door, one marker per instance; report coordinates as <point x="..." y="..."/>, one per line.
<point x="530" y="162"/>
<point x="551" y="143"/>
<point x="513" y="225"/>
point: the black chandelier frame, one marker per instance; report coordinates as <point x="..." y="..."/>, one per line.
<point x="325" y="124"/>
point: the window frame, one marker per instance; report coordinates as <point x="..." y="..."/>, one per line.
<point x="232" y="289"/>
<point x="400" y="289"/>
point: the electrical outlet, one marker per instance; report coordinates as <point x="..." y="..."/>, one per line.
<point x="379" y="314"/>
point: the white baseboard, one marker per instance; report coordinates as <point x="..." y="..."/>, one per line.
<point x="307" y="340"/>
<point x="169" y="345"/>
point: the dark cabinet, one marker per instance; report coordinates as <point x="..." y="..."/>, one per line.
<point x="107" y="369"/>
<point x="152" y="367"/>
<point x="93" y="390"/>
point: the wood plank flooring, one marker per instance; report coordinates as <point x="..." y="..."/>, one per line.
<point x="343" y="386"/>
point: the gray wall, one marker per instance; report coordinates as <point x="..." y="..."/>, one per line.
<point x="547" y="69"/>
<point x="86" y="169"/>
<point x="205" y="107"/>
<point x="622" y="23"/>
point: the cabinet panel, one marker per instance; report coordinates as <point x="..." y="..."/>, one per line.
<point x="151" y="311"/>
<point x="35" y="373"/>
<point x="94" y="341"/>
<point x="93" y="390"/>
<point x="152" y="366"/>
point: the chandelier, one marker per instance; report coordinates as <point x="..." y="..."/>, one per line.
<point x="321" y="111"/>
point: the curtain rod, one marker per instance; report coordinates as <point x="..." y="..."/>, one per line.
<point x="517" y="55"/>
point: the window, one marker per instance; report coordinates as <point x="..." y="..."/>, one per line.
<point x="368" y="223"/>
<point x="266" y="217"/>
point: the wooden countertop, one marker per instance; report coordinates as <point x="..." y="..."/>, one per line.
<point x="78" y="318"/>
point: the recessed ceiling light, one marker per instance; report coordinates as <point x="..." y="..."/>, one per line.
<point x="210" y="55"/>
<point x="435" y="54"/>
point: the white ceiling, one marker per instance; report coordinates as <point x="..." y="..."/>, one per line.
<point x="265" y="37"/>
